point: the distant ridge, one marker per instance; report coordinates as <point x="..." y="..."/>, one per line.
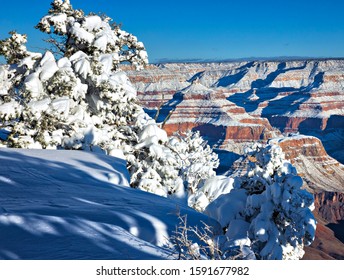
<point x="219" y="60"/>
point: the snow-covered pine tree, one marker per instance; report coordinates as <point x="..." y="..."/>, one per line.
<point x="266" y="214"/>
<point x="197" y="159"/>
<point x="152" y="165"/>
<point x="81" y="99"/>
<point x="197" y="163"/>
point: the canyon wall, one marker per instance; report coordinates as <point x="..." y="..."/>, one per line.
<point x="298" y="105"/>
<point x="305" y="96"/>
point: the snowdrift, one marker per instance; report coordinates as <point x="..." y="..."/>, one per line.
<point x="63" y="204"/>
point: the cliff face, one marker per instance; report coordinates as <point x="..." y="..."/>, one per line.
<point x="326" y="245"/>
<point x="330" y="206"/>
<point x="199" y="108"/>
<point x="324" y="177"/>
<point x="319" y="171"/>
<point x="329" y="237"/>
<point x="293" y="96"/>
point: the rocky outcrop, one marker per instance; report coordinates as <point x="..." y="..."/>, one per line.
<point x="297" y="144"/>
<point x="319" y="171"/>
<point x="326" y="245"/>
<point x="329" y="237"/>
<point x="324" y="177"/>
<point x="330" y="206"/>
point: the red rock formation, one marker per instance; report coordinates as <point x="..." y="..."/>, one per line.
<point x="323" y="176"/>
<point x="330" y="206"/>
<point x="320" y="171"/>
<point x="329" y="237"/>
<point x="218" y="119"/>
<point x="297" y="145"/>
<point x="325" y="246"/>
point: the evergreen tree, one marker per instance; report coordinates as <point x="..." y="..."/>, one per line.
<point x="81" y="99"/>
<point x="266" y="215"/>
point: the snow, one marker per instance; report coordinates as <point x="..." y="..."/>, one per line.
<point x="227" y="207"/>
<point x="81" y="63"/>
<point x="101" y="42"/>
<point x="120" y="78"/>
<point x="61" y="105"/>
<point x="152" y="134"/>
<point x="58" y="21"/>
<point x="92" y="23"/>
<point x="4" y="83"/>
<point x="209" y="190"/>
<point x="47" y="57"/>
<point x="106" y="61"/>
<point x="277" y="210"/>
<point x="39" y="106"/>
<point x="49" y="66"/>
<point x="237" y="233"/>
<point x="33" y="84"/>
<point x="60" y="204"/>
<point x="81" y="34"/>
<point x="291" y="137"/>
<point x="9" y="109"/>
<point x="64" y="63"/>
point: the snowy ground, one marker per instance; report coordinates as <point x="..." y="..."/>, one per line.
<point x="77" y="205"/>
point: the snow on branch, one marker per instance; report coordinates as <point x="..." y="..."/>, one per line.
<point x="91" y="34"/>
<point x="13" y="48"/>
<point x="267" y="213"/>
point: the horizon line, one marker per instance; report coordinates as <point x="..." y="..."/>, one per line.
<point x="252" y="58"/>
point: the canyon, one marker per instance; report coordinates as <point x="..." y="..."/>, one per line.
<point x="294" y="96"/>
<point x="298" y="105"/>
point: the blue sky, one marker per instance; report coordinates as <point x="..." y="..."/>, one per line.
<point x="217" y="29"/>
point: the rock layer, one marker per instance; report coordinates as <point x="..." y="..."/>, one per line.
<point x="304" y="96"/>
<point x="330" y="206"/>
<point x="208" y="111"/>
<point x="329" y="237"/>
<point x="319" y="171"/>
<point x="325" y="246"/>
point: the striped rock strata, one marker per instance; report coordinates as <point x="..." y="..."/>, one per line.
<point x="294" y="96"/>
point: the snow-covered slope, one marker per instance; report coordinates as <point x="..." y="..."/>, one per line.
<point x="77" y="205"/>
